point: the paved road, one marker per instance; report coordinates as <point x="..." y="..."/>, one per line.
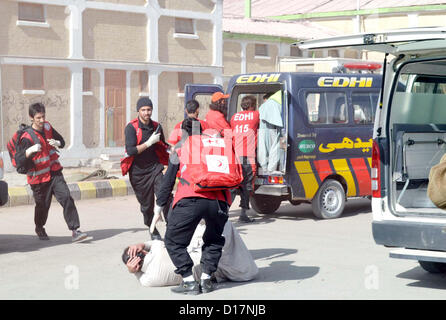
<point x="298" y="257"/>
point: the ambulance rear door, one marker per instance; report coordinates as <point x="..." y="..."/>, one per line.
<point x="202" y="93"/>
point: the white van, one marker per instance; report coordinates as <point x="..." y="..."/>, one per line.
<point x="409" y="137"/>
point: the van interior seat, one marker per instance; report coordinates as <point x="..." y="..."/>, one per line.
<point x="417" y="149"/>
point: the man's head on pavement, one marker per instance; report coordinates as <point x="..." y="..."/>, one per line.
<point x="192" y="109"/>
<point x="144" y="107"/>
<point x="219" y="102"/>
<point x="128" y="260"/>
<point x="36" y="113"/>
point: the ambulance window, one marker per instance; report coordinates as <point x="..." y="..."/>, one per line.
<point x="327" y="108"/>
<point x="364" y="105"/>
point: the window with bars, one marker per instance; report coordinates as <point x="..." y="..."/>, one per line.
<point x="295" y="52"/>
<point x="183" y="79"/>
<point x="184" y="26"/>
<point x="31" y="12"/>
<point x="32" y="78"/>
<point x="261" y="50"/>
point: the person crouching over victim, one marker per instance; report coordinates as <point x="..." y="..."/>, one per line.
<point x="153" y="267"/>
<point x="189" y="207"/>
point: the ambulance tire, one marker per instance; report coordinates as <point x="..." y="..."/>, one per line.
<point x="264" y="204"/>
<point x="329" y="201"/>
<point x="433" y="267"/>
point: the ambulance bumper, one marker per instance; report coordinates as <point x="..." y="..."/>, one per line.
<point x="412" y="235"/>
<point x="272" y="190"/>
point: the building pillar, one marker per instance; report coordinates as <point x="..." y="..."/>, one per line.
<point x="153" y="92"/>
<point x="76" y="29"/>
<point x="244" y="63"/>
<point x="101" y="108"/>
<point x="152" y="34"/>
<point x="76" y="111"/>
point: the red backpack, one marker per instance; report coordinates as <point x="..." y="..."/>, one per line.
<point x="210" y="163"/>
<point x="160" y="149"/>
<point x="13" y="144"/>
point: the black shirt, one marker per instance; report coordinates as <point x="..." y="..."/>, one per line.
<point x="147" y="161"/>
<point x="168" y="180"/>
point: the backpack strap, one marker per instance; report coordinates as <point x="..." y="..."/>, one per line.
<point x="33" y="135"/>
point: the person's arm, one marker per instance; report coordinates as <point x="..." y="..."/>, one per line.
<point x="131" y="147"/>
<point x="57" y="136"/>
<point x="168" y="180"/>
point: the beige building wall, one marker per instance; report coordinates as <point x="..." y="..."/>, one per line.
<point x="343" y="25"/>
<point x="109" y="35"/>
<point x="91" y="113"/>
<point x="171" y="105"/>
<point x="128" y="2"/>
<point x="375" y="23"/>
<point x="184" y="50"/>
<point x="49" y="41"/>
<point x="56" y="100"/>
<point x="231" y="58"/>
<point x="261" y="64"/>
<point x="197" y="5"/>
<point x="430" y="20"/>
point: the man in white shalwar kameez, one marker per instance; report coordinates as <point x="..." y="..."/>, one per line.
<point x="156" y="268"/>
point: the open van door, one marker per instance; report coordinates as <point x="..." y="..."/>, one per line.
<point x="202" y="93"/>
<point x="393" y="42"/>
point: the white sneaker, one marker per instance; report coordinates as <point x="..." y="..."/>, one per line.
<point x="78" y="236"/>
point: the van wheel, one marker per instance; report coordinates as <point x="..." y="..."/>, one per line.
<point x="329" y="201"/>
<point x="433" y="267"/>
<point x="264" y="204"/>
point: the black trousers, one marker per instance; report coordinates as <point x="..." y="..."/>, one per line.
<point x="181" y="226"/>
<point x="43" y="193"/>
<point x="246" y="187"/>
<point x="145" y="187"/>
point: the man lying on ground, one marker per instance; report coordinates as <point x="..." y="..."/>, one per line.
<point x="151" y="263"/>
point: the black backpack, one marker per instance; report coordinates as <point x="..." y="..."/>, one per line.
<point x="17" y="155"/>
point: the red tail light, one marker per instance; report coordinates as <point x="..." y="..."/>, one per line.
<point x="376" y="171"/>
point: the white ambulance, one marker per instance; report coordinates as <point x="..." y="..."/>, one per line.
<point x="409" y="137"/>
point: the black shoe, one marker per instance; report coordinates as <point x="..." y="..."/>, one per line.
<point x="245" y="219"/>
<point x="207" y="285"/>
<point x="189" y="287"/>
<point x="41" y="233"/>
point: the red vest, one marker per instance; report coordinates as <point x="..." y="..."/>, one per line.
<point x="46" y="160"/>
<point x="216" y="120"/>
<point x="160" y="149"/>
<point x="244" y="126"/>
<point x="186" y="190"/>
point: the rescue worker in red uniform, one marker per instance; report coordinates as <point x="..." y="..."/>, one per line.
<point x="192" y="111"/>
<point x="216" y="116"/>
<point x="244" y="126"/>
<point x="147" y="147"/>
<point x="189" y="207"/>
<point x="45" y="176"/>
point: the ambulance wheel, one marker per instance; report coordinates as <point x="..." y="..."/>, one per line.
<point x="265" y="204"/>
<point x="329" y="201"/>
<point x="433" y="267"/>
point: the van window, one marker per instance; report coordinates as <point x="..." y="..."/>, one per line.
<point x="420" y="99"/>
<point x="364" y="106"/>
<point x="327" y="108"/>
